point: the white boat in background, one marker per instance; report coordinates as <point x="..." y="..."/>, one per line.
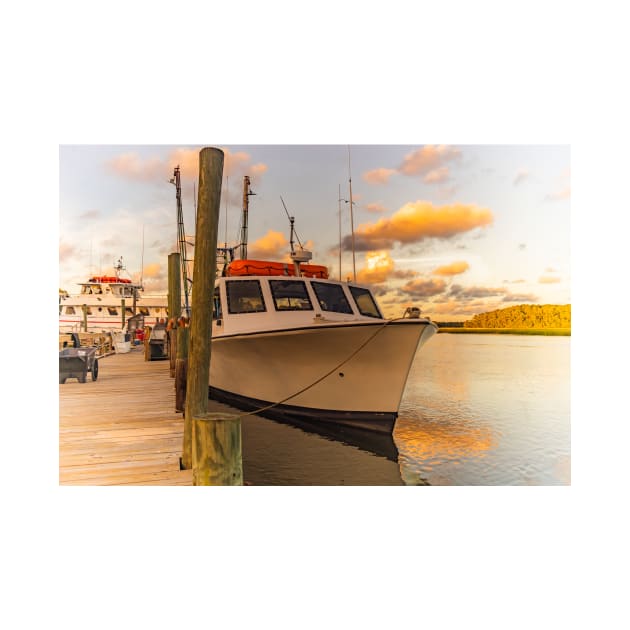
<point x="109" y="302"/>
<point x="291" y="342"/>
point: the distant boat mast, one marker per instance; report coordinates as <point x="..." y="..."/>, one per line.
<point x="354" y="267"/>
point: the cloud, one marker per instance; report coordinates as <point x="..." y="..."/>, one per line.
<point x="380" y="267"/>
<point x="427" y="158"/>
<point x="565" y="193"/>
<point x="519" y="281"/>
<point x="463" y="293"/>
<point x="522" y="246"/>
<point x="378" y="175"/>
<point x="521" y="175"/>
<point x="424" y="287"/>
<point x="548" y="279"/>
<point x="436" y="176"/>
<point x="67" y="252"/>
<point x="273" y="245"/>
<point x="90" y="214"/>
<point x="453" y="269"/>
<point x="375" y="207"/>
<point x="417" y="221"/>
<point x="520" y="297"/>
<point x="132" y="166"/>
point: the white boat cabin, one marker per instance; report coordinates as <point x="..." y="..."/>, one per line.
<point x="262" y="303"/>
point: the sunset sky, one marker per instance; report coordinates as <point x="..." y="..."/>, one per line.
<point x="454" y="229"/>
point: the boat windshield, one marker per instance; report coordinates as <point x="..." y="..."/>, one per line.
<point x="331" y="297"/>
<point x="365" y="302"/>
<point x="244" y="296"/>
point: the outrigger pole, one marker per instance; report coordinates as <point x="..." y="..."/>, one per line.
<point x="181" y="238"/>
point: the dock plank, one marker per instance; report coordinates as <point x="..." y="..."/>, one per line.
<point x="121" y="429"/>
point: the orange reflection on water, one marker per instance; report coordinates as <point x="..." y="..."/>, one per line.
<point x="445" y="440"/>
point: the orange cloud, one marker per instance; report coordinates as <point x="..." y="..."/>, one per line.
<point x="378" y="175"/>
<point x="453" y="269"/>
<point x="417" y="221"/>
<point x="379" y="267"/>
<point x="273" y="245"/>
<point x="375" y="207"/>
<point x="437" y="175"/>
<point x="154" y="270"/>
<point x="131" y="166"/>
<point x="548" y="279"/>
<point x="427" y="158"/>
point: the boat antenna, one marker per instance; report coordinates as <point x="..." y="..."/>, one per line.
<point x="339" y="213"/>
<point x="292" y="223"/>
<point x="227" y="195"/>
<point x="181" y="236"/>
<point x="354" y="267"/>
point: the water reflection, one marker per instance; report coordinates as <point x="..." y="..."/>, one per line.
<point x="381" y="444"/>
<point x="425" y="444"/>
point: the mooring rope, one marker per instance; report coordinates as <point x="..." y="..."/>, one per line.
<point x="321" y="378"/>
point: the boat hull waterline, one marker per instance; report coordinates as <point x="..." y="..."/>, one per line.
<point x="345" y="373"/>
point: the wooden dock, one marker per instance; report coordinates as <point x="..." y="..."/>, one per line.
<point x="121" y="429"/>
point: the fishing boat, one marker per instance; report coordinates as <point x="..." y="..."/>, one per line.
<point x="107" y="302"/>
<point x="289" y="342"/>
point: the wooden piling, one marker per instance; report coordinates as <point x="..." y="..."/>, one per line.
<point x="217" y="451"/>
<point x="181" y="367"/>
<point x="84" y="309"/>
<point x="204" y="271"/>
<point x="123" y="312"/>
<point x="174" y="306"/>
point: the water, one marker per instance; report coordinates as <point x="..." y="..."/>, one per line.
<point x="487" y="410"/>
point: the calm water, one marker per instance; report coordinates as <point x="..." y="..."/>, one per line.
<point x="487" y="410"/>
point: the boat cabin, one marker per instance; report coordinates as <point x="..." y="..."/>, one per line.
<point x="108" y="285"/>
<point x="254" y="303"/>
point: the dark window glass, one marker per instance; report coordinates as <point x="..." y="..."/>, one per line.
<point x="112" y="310"/>
<point x="128" y="310"/>
<point x="216" y="305"/>
<point x="70" y="310"/>
<point x="331" y="297"/>
<point x="244" y="296"/>
<point x="365" y="302"/>
<point x="143" y="310"/>
<point x="290" y="295"/>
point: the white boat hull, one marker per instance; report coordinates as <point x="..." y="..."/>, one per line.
<point x="353" y="373"/>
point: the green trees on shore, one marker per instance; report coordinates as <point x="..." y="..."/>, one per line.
<point x="524" y="316"/>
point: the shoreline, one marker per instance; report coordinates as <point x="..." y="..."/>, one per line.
<point x="565" y="332"/>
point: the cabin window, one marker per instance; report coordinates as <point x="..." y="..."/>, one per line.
<point x="112" y="310"/>
<point x="290" y="295"/>
<point x="216" y="305"/>
<point x="365" y="302"/>
<point x="331" y="297"/>
<point x="244" y="296"/>
<point x="128" y="310"/>
<point x="143" y="310"/>
<point x="88" y="310"/>
<point x="70" y="310"/>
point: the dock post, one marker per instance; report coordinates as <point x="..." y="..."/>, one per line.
<point x="204" y="272"/>
<point x="84" y="309"/>
<point x="122" y="305"/>
<point x="181" y="366"/>
<point x="217" y="450"/>
<point x="174" y="306"/>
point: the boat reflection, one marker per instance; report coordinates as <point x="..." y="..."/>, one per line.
<point x="381" y="444"/>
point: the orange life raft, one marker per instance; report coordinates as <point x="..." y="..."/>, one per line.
<point x="266" y="268"/>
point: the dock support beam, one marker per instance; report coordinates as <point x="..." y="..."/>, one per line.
<point x="181" y="368"/>
<point x="174" y="306"/>
<point x="217" y="452"/>
<point x="204" y="272"/>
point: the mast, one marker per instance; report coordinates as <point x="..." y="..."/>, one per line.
<point x="181" y="236"/>
<point x="339" y="203"/>
<point x="246" y="194"/>
<point x="354" y="267"/>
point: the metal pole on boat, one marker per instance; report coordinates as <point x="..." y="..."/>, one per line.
<point x="354" y="267"/>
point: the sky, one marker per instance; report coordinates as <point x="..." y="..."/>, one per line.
<point x="454" y="229"/>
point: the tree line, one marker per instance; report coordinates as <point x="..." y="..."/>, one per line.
<point x="524" y="316"/>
